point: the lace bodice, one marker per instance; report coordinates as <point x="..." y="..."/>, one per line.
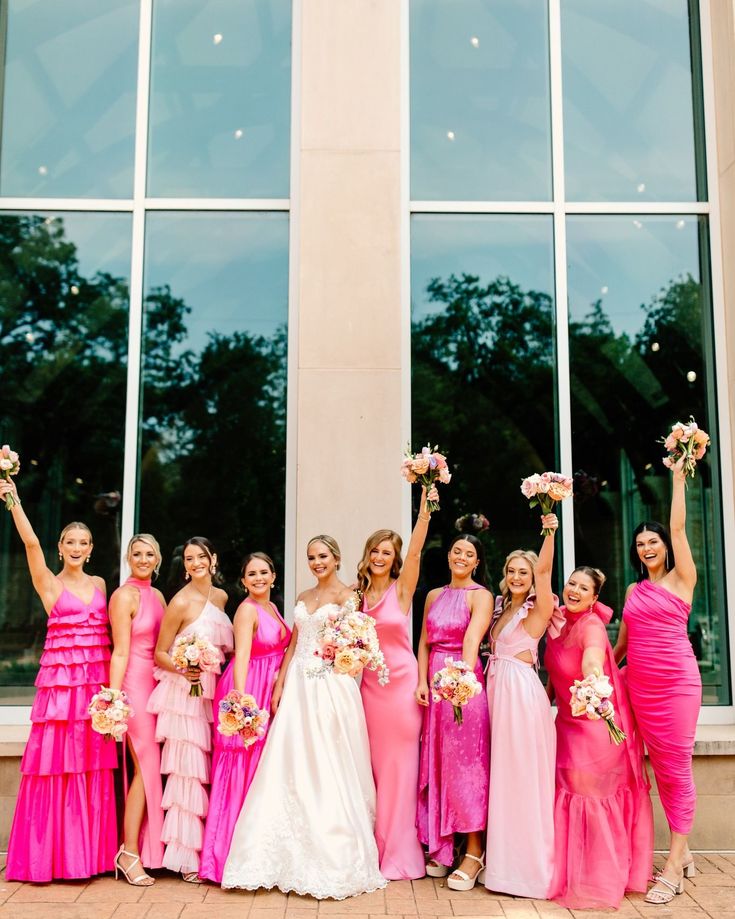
<point x="308" y="625"/>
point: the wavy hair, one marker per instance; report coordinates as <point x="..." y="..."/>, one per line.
<point x="364" y="578"/>
<point x="532" y="558"/>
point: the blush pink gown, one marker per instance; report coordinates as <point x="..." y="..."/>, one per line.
<point x="453" y="769"/>
<point x="65" y="823"/>
<point x="603" y="818"/>
<point x="139" y="684"/>
<point x="394" y="727"/>
<point x="234" y="765"/>
<point x="665" y="691"/>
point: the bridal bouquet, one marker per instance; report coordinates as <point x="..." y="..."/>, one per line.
<point x="9" y="465"/>
<point x="472" y="523"/>
<point x="192" y="652"/>
<point x="545" y="490"/>
<point x="687" y="440"/>
<point x="455" y="683"/>
<point x="591" y="697"/>
<point x="239" y="714"/>
<point x="110" y="711"/>
<point x="347" y="643"/>
<point x="427" y="467"/>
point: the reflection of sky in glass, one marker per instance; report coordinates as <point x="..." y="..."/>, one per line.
<point x="628" y="101"/>
<point x="102" y="242"/>
<point x="480" y="117"/>
<point x="69" y="98"/>
<point x="231" y="269"/>
<point x="517" y="247"/>
<point x="220" y="98"/>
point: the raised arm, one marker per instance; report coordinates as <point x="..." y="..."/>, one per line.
<point x="685" y="569"/>
<point x="244" y="624"/>
<point x="481" y="606"/>
<point x="123" y="606"/>
<point x="409" y="576"/>
<point x="539" y="617"/>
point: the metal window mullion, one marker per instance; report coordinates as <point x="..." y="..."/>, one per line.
<point x="66" y="204"/>
<point x="570" y="207"/>
<point x="217" y="204"/>
<point x="405" y="255"/>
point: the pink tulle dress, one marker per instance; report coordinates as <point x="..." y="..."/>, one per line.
<point x="233" y="765"/>
<point x="453" y="769"/>
<point x="185" y="727"/>
<point x="665" y="691"/>
<point x="65" y="822"/>
<point x="520" y="821"/>
<point x="139" y="684"/>
<point x="394" y="727"/>
<point x="603" y="819"/>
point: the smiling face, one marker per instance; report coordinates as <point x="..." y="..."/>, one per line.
<point x="142" y="559"/>
<point x="579" y="592"/>
<point x="198" y="563"/>
<point x="382" y="557"/>
<point x="519" y="576"/>
<point x="321" y="560"/>
<point x="651" y="549"/>
<point x="462" y="559"/>
<point x="75" y="547"/>
<point x="258" y="578"/>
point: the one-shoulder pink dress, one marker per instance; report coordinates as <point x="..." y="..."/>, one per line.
<point x="394" y="728"/>
<point x="666" y="694"/>
<point x="234" y="765"/>
<point x="139" y="684"/>
<point x="185" y="728"/>
<point x="65" y="824"/>
<point x="603" y="820"/>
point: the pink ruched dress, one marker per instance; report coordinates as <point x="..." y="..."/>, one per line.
<point x="394" y="727"/>
<point x="603" y="819"/>
<point x="65" y="824"/>
<point x="185" y="728"/>
<point x="234" y="765"/>
<point x="665" y="691"/>
<point x="520" y="821"/>
<point x="453" y="769"/>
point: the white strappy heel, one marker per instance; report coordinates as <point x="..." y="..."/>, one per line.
<point x="462" y="880"/>
<point x="661" y="897"/>
<point x="142" y="880"/>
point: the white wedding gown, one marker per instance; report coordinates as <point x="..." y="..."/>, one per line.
<point x="307" y="821"/>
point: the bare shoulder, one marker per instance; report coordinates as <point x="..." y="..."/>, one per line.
<point x="125" y="595"/>
<point x="305" y="595"/>
<point x="160" y="597"/>
<point x="179" y="602"/>
<point x="432" y="595"/>
<point x="219" y="597"/>
<point x="246" y="612"/>
<point x="629" y="590"/>
<point x="346" y="595"/>
<point x="99" y="583"/>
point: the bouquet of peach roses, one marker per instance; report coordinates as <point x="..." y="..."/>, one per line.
<point x="545" y="490"/>
<point x="239" y="714"/>
<point x="427" y="467"/>
<point x="689" y="441"/>
<point x="591" y="697"/>
<point x="455" y="683"/>
<point x="110" y="711"/>
<point x="347" y="643"/>
<point x="9" y="465"/>
<point x="192" y="652"/>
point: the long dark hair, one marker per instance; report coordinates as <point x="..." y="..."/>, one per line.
<point x="480" y="574"/>
<point x="202" y="543"/>
<point x="660" y="530"/>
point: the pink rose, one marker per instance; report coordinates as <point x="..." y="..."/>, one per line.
<point x="209" y="657"/>
<point x="670" y="443"/>
<point x="5" y="450"/>
<point x="668" y="462"/>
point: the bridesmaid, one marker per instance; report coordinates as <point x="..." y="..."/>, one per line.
<point x="663" y="677"/>
<point x="136" y="611"/>
<point x="65" y="824"/>
<point x="603" y="807"/>
<point x="184" y="721"/>
<point x="453" y="770"/>
<point x="261" y="639"/>
<point x="520" y="823"/>
<point x="393" y="718"/>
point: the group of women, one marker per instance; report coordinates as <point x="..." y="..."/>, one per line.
<point x="357" y="785"/>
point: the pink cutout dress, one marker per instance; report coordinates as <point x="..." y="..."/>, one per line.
<point x="453" y="770"/>
<point x="394" y="727"/>
<point x="139" y="684"/>
<point x="65" y="823"/>
<point x="520" y="821"/>
<point x="233" y="765"/>
<point x="603" y="819"/>
<point x="185" y="726"/>
<point x="665" y="691"/>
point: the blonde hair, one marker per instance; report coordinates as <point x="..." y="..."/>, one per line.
<point x="364" y="578"/>
<point x="528" y="555"/>
<point x="149" y="541"/>
<point x="330" y="542"/>
<point x="75" y="525"/>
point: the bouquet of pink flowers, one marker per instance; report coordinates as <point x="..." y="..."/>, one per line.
<point x="110" y="711"/>
<point x="9" y="465"/>
<point x="545" y="490"/>
<point x="192" y="652"/>
<point x="455" y="683"/>
<point x="591" y="697"/>
<point x="427" y="467"/>
<point x="348" y="642"/>
<point x="687" y="440"/>
<point x="472" y="523"/>
<point x="239" y="714"/>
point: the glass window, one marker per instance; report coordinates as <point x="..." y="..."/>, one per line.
<point x="480" y="111"/>
<point x="641" y="354"/>
<point x="64" y="341"/>
<point x="68" y="102"/>
<point x="220" y="99"/>
<point x="213" y="425"/>
<point x="628" y="100"/>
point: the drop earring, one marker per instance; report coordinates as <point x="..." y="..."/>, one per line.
<point x="61" y="557"/>
<point x="187" y="576"/>
<point x="666" y="560"/>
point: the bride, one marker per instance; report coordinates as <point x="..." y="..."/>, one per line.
<point x="307" y="822"/>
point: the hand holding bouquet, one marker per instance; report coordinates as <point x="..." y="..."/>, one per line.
<point x="239" y="714"/>
<point x="545" y="490"/>
<point x="455" y="683"/>
<point x="348" y="642"/>
<point x="427" y="467"/>
<point x="688" y="442"/>
<point x="110" y="711"/>
<point x="194" y="653"/>
<point x="591" y="697"/>
<point x="9" y="465"/>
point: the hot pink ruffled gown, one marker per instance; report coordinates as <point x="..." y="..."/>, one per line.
<point x="65" y="823"/>
<point x="185" y="728"/>
<point x="453" y="770"/>
<point x="394" y="728"/>
<point x="665" y="691"/>
<point x="603" y="818"/>
<point x="234" y="765"/>
<point x="520" y="821"/>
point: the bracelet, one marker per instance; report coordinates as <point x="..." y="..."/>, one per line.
<point x="424" y="517"/>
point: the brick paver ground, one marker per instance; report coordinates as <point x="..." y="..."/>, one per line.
<point x="711" y="894"/>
